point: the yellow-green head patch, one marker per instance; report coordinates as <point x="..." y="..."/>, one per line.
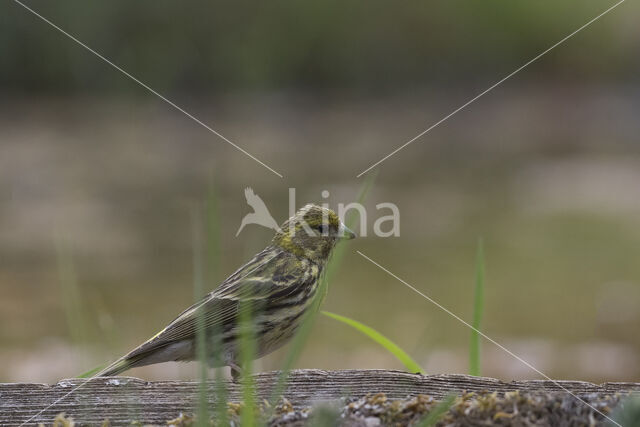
<point x="312" y="232"/>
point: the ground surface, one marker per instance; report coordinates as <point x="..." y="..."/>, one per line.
<point x="357" y="397"/>
<point x="468" y="409"/>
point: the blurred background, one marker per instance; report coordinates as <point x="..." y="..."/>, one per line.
<point x="98" y="177"/>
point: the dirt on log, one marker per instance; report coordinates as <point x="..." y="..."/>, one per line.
<point x="123" y="400"/>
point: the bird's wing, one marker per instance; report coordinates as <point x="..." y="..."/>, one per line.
<point x="255" y="201"/>
<point x="268" y="273"/>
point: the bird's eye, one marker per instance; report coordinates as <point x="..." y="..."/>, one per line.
<point x="323" y="229"/>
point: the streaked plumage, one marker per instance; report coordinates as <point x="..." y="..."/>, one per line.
<point x="277" y="286"/>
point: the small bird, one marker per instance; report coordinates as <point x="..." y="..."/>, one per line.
<point x="260" y="214"/>
<point x="277" y="286"/>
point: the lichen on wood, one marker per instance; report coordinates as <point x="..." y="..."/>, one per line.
<point x="122" y="400"/>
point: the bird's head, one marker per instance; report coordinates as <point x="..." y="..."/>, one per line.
<point x="312" y="233"/>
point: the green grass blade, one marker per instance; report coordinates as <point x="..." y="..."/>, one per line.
<point x="302" y="334"/>
<point x="220" y="384"/>
<point x="325" y="416"/>
<point x="627" y="413"/>
<point x="75" y="309"/>
<point x="436" y="413"/>
<point x="198" y="294"/>
<point x="212" y="271"/>
<point x="247" y="354"/>
<point x="72" y="302"/>
<point x="213" y="235"/>
<point x="90" y="372"/>
<point x="390" y="346"/>
<point x="478" y="309"/>
<point x="349" y="221"/>
<point x="296" y="347"/>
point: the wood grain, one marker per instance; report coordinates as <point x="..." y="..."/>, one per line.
<point x="124" y="399"/>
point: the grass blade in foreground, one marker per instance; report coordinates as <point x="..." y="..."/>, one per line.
<point x="478" y="308"/>
<point x="77" y="320"/>
<point x="212" y="271"/>
<point x="198" y="294"/>
<point x="307" y="323"/>
<point x="390" y="346"/>
<point x="627" y="413"/>
<point x="247" y="353"/>
<point x="213" y="236"/>
<point x="95" y="370"/>
<point x="436" y="413"/>
<point x="349" y="221"/>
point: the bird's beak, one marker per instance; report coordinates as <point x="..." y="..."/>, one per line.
<point x="345" y="233"/>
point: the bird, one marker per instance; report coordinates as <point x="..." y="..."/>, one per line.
<point x="277" y="287"/>
<point x="260" y="214"/>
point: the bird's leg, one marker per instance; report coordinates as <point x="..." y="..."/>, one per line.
<point x="236" y="372"/>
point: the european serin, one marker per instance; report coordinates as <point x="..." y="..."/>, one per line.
<point x="276" y="287"/>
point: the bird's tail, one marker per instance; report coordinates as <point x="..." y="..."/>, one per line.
<point x="116" y="368"/>
<point x="123" y="364"/>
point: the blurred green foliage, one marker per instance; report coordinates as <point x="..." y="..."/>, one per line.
<point x="364" y="46"/>
<point x="478" y="310"/>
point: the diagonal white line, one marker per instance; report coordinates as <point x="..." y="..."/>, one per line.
<point x="500" y="346"/>
<point x="499" y="82"/>
<point x="174" y="105"/>
<point x="58" y="400"/>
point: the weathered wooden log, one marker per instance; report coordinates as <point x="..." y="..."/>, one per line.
<point x="126" y="399"/>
